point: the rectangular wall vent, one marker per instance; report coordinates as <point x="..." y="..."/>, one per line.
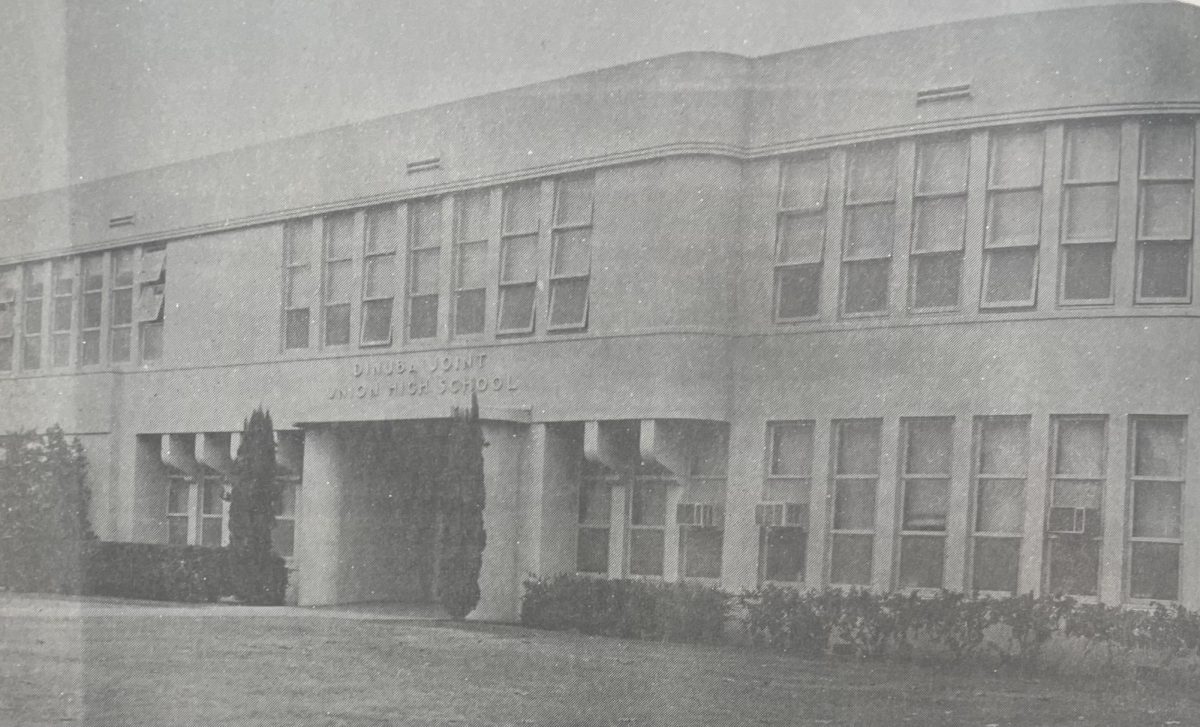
<point x="944" y="93"/>
<point x="121" y="221"/>
<point x="424" y="165"/>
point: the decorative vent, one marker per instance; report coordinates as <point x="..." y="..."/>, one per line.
<point x="781" y="514"/>
<point x="424" y="165"/>
<point x="944" y="93"/>
<point x="122" y="221"/>
<point x="701" y="514"/>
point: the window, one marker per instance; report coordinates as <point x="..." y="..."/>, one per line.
<point x="297" y="282"/>
<point x="1014" y="219"/>
<point x="701" y="517"/>
<point x="647" y="521"/>
<point x="379" y="274"/>
<point x="339" y="277"/>
<point x="178" y="509"/>
<point x="283" y="533"/>
<point x="1089" y="215"/>
<point x="1001" y="465"/>
<point x="1155" y="505"/>
<point x="571" y="255"/>
<point x="152" y="277"/>
<point x="63" y="274"/>
<point x="939" y="224"/>
<point x="212" y="509"/>
<point x="8" y="313"/>
<point x="121" y="333"/>
<point x="91" y="310"/>
<point x="869" y="229"/>
<point x="33" y="285"/>
<point x="925" y="493"/>
<point x="424" y="267"/>
<point x="196" y="510"/>
<point x="595" y="510"/>
<point x="855" y="477"/>
<point x="1075" y="518"/>
<point x="519" y="258"/>
<point x="783" y="517"/>
<point x="470" y="261"/>
<point x="800" y="237"/>
<point x="1165" y="202"/>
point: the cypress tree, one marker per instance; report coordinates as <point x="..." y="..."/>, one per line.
<point x="461" y="537"/>
<point x="252" y="502"/>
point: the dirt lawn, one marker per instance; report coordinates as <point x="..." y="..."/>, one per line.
<point x="101" y="663"/>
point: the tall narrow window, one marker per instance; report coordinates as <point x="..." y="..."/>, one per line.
<point x="1155" y="505"/>
<point x="212" y="511"/>
<point x="1165" y="204"/>
<point x="379" y="274"/>
<point x="1001" y="468"/>
<point x="152" y="277"/>
<point x="595" y="511"/>
<point x="283" y="532"/>
<point x="783" y="517"/>
<point x="121" y="332"/>
<point x="925" y="496"/>
<point x="297" y="282"/>
<point x="1075" y="519"/>
<point x="1014" y="219"/>
<point x="424" y="267"/>
<point x="178" y="509"/>
<point x="647" y="522"/>
<point x="8" y="313"/>
<point x="855" y="478"/>
<point x="571" y="255"/>
<point x="62" y="310"/>
<point x="800" y="237"/>
<point x="33" y="284"/>
<point x="1089" y="225"/>
<point x="519" y="258"/>
<point x="339" y="277"/>
<point x="470" y="256"/>
<point x="91" y="310"/>
<point x="701" y="516"/>
<point x="939" y="224"/>
<point x="869" y="229"/>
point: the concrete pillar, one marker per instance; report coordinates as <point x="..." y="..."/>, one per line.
<point x="319" y="531"/>
<point x="506" y="484"/>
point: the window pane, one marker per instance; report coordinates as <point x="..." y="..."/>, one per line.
<point x="791" y="449"/>
<point x="1165" y="269"/>
<point x="595" y="503"/>
<point x="337" y="325"/>
<point x="122" y="306"/>
<point x="850" y="560"/>
<point x="572" y="255"/>
<point x="516" y="307"/>
<point x="339" y="281"/>
<point x="32" y="280"/>
<point x="283" y="537"/>
<point x="1159" y="448"/>
<point x="286" y="507"/>
<point x="801" y="238"/>
<point x="152" y="344"/>
<point x="941" y="224"/>
<point x="211" y="500"/>
<point x="383" y="230"/>
<point x="297" y="242"/>
<point x="1014" y="219"/>
<point x="377" y="321"/>
<point x="210" y="532"/>
<point x="996" y="564"/>
<point x="93" y="273"/>
<point x="1091" y="212"/>
<point x="1087" y="271"/>
<point x="33" y="317"/>
<point x="469" y="311"/>
<point x="471" y="262"/>
<point x="858" y="448"/>
<point x="1009" y="275"/>
<point x="925" y="504"/>
<point x="591" y="555"/>
<point x="381" y="277"/>
<point x="422" y="320"/>
<point x="61" y="320"/>
<point x="297" y="329"/>
<point x="122" y="268"/>
<point x="521" y="208"/>
<point x="1074" y="565"/>
<point x="60" y="350"/>
<point x="921" y="560"/>
<point x="1166" y="211"/>
<point x="866" y="286"/>
<point x="6" y="354"/>
<point x="1154" y="571"/>
<point x="798" y="291"/>
<point x="473" y="215"/>
<point x="120" y="344"/>
<point x="573" y="201"/>
<point x="869" y="232"/>
<point x="425" y="271"/>
<point x="518" y="261"/>
<point x="928" y="449"/>
<point x="942" y="166"/>
<point x="6" y="320"/>
<point x="1000" y="506"/>
<point x="425" y="224"/>
<point x="92" y="310"/>
<point x="64" y="277"/>
<point x="1156" y="509"/>
<point x="1167" y="150"/>
<point x="568" y="302"/>
<point x="31" y="353"/>
<point x="1003" y="446"/>
<point x="872" y="173"/>
<point x="339" y="236"/>
<point x="701" y="551"/>
<point x="784" y="551"/>
<point x="1017" y="159"/>
<point x="648" y="505"/>
<point x="803" y="184"/>
<point x="1079" y="494"/>
<point x="646" y="552"/>
<point x="89" y="348"/>
<point x="1093" y="153"/>
<point x="177" y="497"/>
<point x="854" y="505"/>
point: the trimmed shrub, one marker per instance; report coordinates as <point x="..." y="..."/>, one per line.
<point x="187" y="573"/>
<point x="461" y="498"/>
<point x="252" y="502"/>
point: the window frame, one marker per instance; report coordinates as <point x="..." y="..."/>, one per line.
<point x="1070" y="184"/>
<point x="10" y="285"/>
<point x="640" y="479"/>
<point x="979" y="478"/>
<point x="63" y="270"/>
<point x="921" y="196"/>
<point x="997" y="190"/>
<point x="156" y="287"/>
<point x="836" y="479"/>
<point x="851" y="205"/>
<point x="1054" y="478"/>
<point x="906" y="480"/>
<point x="415" y="248"/>
<point x="558" y="231"/>
<point x="461" y="201"/>
<point x="1143" y="241"/>
<point x="784" y="213"/>
<point x="86" y="293"/>
<point x="507" y="235"/>
<point x="328" y="305"/>
<point x="1135" y="480"/>
<point x="595" y="475"/>
<point x="802" y="480"/>
<point x="118" y="331"/>
<point x="367" y="301"/>
<point x="36" y="274"/>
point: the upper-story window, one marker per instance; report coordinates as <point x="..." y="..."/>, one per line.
<point x="470" y="261"/>
<point x="1091" y="173"/>
<point x="383" y="239"/>
<point x="1014" y="219"/>
<point x="62" y="310"/>
<point x="91" y="309"/>
<point x="152" y="301"/>
<point x="519" y="257"/>
<point x="339" y="278"/>
<point x="571" y="254"/>
<point x="869" y="229"/>
<point x="1165" y="205"/>
<point x="800" y="237"/>
<point x="424" y="267"/>
<point x="297" y="282"/>
<point x="33" y="285"/>
<point x="8" y="313"/>
<point x="121" y="313"/>
<point x="939" y="224"/>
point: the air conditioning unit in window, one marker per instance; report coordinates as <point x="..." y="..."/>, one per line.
<point x="701" y="514"/>
<point x="781" y="514"/>
<point x="1067" y="521"/>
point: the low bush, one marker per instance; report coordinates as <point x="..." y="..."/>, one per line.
<point x="629" y="609"/>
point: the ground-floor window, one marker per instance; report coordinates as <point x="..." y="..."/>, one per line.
<point x="283" y="533"/>
<point x="782" y="516"/>
<point x="855" y="477"/>
<point x="197" y="513"/>
<point x="1154" y="506"/>
<point x="1000" y="468"/>
<point x="925" y="501"/>
<point x="1075" y="517"/>
<point x="701" y="535"/>
<point x="647" y="525"/>
<point x="595" y="511"/>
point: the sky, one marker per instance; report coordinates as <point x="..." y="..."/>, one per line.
<point x="95" y="88"/>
